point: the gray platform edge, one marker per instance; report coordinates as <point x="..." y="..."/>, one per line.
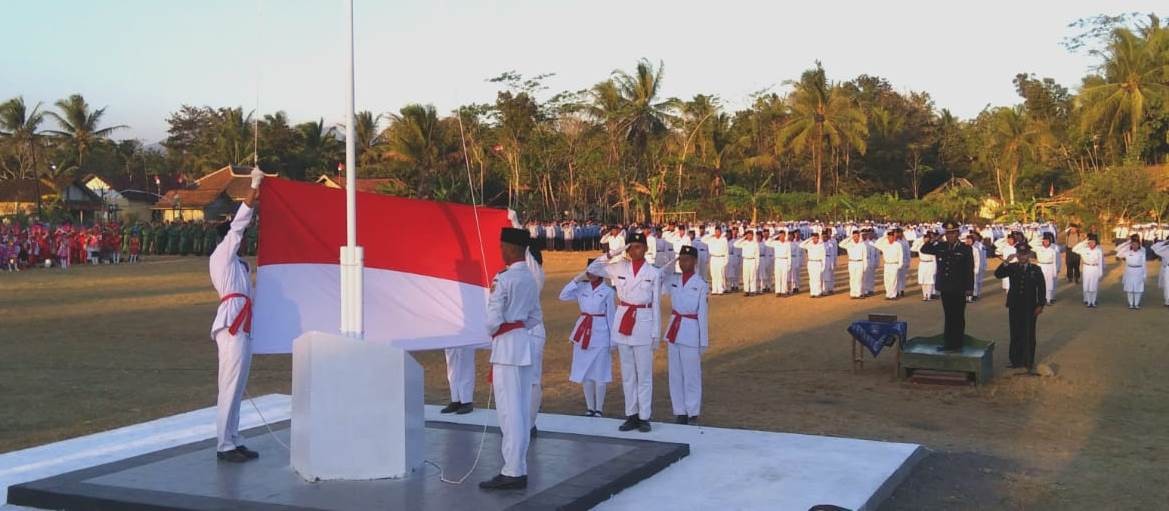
<point x="895" y="479"/>
<point x="44" y="493"/>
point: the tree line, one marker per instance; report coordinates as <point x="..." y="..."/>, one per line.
<point x="619" y="150"/>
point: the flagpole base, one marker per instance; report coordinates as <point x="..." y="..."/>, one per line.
<point x="357" y="409"/>
<point x="352" y="267"/>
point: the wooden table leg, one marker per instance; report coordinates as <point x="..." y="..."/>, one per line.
<point x="897" y="360"/>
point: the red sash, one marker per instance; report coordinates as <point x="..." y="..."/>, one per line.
<point x="244" y="318"/>
<point x="676" y="323"/>
<point x="507" y="327"/>
<point x="630" y="317"/>
<point x="584" y="331"/>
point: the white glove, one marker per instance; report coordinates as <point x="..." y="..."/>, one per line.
<point x="257" y="177"/>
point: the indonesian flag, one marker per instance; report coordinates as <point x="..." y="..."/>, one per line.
<point x="428" y="267"/>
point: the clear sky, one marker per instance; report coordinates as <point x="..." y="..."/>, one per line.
<point x="145" y="58"/>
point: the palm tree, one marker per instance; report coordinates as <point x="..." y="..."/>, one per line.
<point x="607" y="107"/>
<point x="319" y="147"/>
<point x="822" y="114"/>
<point x="365" y="128"/>
<point x="1135" y="71"/>
<point x="643" y="116"/>
<point x="79" y="125"/>
<point x="1014" y="138"/>
<point x="415" y="138"/>
<point x="19" y="128"/>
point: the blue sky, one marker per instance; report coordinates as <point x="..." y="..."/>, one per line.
<point x="144" y="58"/>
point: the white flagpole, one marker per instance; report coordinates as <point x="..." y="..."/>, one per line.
<point x="352" y="258"/>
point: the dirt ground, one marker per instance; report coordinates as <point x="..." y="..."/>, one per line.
<point x="99" y="347"/>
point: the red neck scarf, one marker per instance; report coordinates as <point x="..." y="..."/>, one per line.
<point x="595" y="284"/>
<point x="686" y="276"/>
<point x="637" y="266"/>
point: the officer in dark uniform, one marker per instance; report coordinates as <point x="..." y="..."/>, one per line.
<point x="955" y="281"/>
<point x="1025" y="301"/>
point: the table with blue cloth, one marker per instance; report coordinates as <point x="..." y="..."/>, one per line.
<point x="875" y="335"/>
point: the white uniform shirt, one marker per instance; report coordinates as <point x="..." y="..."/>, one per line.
<point x="229" y="275"/>
<point x="857" y="250"/>
<point x="689" y="298"/>
<point x="718" y="246"/>
<point x="514" y="297"/>
<point x="749" y="248"/>
<point x="593" y="301"/>
<point x="893" y="253"/>
<point x="816" y="250"/>
<point x="639" y="289"/>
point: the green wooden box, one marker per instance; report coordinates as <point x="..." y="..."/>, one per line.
<point x="976" y="358"/>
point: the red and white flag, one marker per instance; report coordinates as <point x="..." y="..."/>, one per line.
<point x="428" y="267"/>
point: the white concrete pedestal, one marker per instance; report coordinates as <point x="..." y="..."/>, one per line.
<point x="357" y="409"/>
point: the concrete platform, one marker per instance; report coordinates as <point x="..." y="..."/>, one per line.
<point x="726" y="469"/>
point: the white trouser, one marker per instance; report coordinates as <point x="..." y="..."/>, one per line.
<point x="235" y="361"/>
<point x="594" y="393"/>
<point x="783" y="268"/>
<point x="829" y="275"/>
<point x="513" y="390"/>
<point x="870" y="279"/>
<point x="685" y="379"/>
<point x="764" y="275"/>
<point x="1090" y="282"/>
<point x="892" y="277"/>
<point x="1050" y="277"/>
<point x="637" y="371"/>
<point x="460" y="374"/>
<point x="795" y="274"/>
<point x="750" y="275"/>
<point x="816" y="277"/>
<point x="856" y="278"/>
<point x="978" y="274"/>
<point x="902" y="278"/>
<point x="537" y="377"/>
<point x="718" y="274"/>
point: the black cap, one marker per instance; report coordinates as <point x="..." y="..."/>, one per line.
<point x="514" y="236"/>
<point x="950" y="226"/>
<point x="635" y="237"/>
<point x="688" y="250"/>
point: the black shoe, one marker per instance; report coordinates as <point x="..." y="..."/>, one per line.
<point x="502" y="482"/>
<point x="693" y="420"/>
<point x="597" y="413"/>
<point x="643" y="426"/>
<point x="943" y="349"/>
<point x="630" y="424"/>
<point x="233" y="456"/>
<point x="250" y="454"/>
<point x="465" y="408"/>
<point x="590" y="413"/>
<point x="679" y="419"/>
<point x="452" y="407"/>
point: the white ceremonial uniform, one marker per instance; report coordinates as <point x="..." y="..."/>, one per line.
<point x="539" y="338"/>
<point x="766" y="262"/>
<point x="816" y="254"/>
<point x="1091" y="270"/>
<point x="679" y="242"/>
<point x="615" y="242"/>
<point x="894" y="256"/>
<point x="514" y="303"/>
<point x="1048" y="260"/>
<point x="231" y="278"/>
<point x="1134" y="272"/>
<point x="1004" y="251"/>
<point x="592" y="361"/>
<point x="703" y="266"/>
<point x="903" y="274"/>
<point x="687" y="342"/>
<point x="797" y="266"/>
<point x="637" y="298"/>
<point x="720" y="252"/>
<point x="782" y="266"/>
<point x="750" y="251"/>
<point x="871" y="270"/>
<point x="1161" y="248"/>
<point x="734" y="266"/>
<point x="460" y="374"/>
<point x="858" y="261"/>
<point x="979" y="251"/>
<point x="927" y="270"/>
<point x="651" y="248"/>
<point x="831" y="252"/>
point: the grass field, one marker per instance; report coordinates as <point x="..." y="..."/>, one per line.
<point x="99" y="347"/>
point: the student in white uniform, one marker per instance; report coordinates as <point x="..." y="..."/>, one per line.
<point x="766" y="262"/>
<point x="870" y="239"/>
<point x="750" y="250"/>
<point x="719" y="251"/>
<point x="1161" y="248"/>
<point x="858" y="261"/>
<point x="797" y="261"/>
<point x="782" y="248"/>
<point x="1005" y="248"/>
<point x="831" y="252"/>
<point x="638" y="321"/>
<point x="927" y="267"/>
<point x="1091" y="268"/>
<point x="460" y="376"/>
<point x="1047" y="256"/>
<point x="903" y="273"/>
<point x="974" y="239"/>
<point x="231" y="330"/>
<point x="893" y="255"/>
<point x="1133" y="255"/>
<point x="513" y="309"/>
<point x="687" y="337"/>
<point x="816" y="254"/>
<point x="592" y="363"/>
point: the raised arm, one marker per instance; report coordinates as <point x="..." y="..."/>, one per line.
<point x="570" y="291"/>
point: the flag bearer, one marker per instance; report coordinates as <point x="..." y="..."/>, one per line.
<point x="687" y="337"/>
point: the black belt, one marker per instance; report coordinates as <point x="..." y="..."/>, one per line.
<point x="750" y="258"/>
<point x="1135" y="266"/>
<point x="1091" y="264"/>
<point x="717" y="255"/>
<point x="857" y="260"/>
<point x="815" y="260"/>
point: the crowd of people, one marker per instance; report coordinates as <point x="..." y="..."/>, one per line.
<point x="40" y="244"/>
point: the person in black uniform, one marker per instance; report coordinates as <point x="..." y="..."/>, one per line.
<point x="955" y="280"/>
<point x="1025" y="301"/>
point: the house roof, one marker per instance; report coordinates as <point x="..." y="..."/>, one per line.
<point x="364" y="184"/>
<point x="232" y="180"/>
<point x="25" y="190"/>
